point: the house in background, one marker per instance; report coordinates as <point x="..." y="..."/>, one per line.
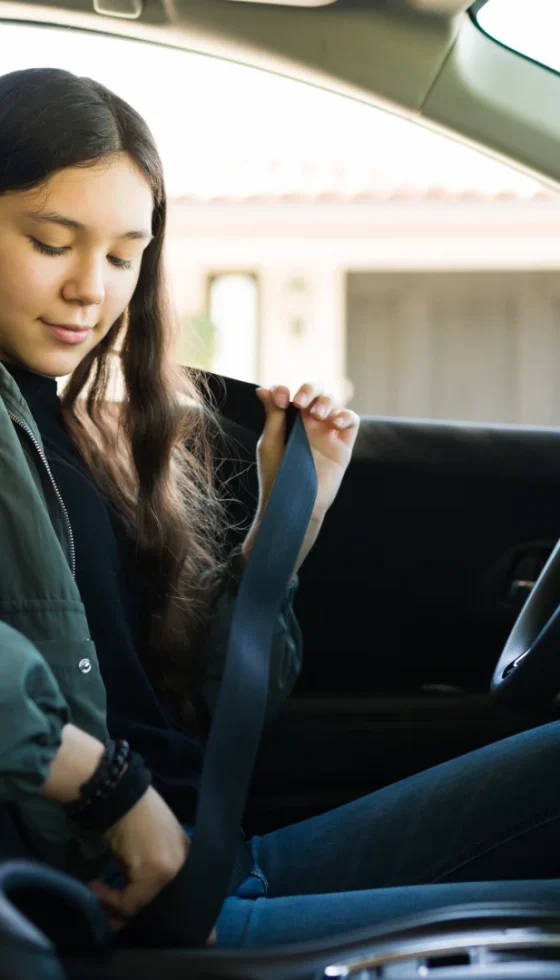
<point x="424" y="282"/>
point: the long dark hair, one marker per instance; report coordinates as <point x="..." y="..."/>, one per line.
<point x="150" y="453"/>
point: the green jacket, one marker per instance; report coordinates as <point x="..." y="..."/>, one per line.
<point x="49" y="672"/>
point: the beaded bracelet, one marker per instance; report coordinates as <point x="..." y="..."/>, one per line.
<point x="104" y="779"/>
<point x="105" y="811"/>
<point x="119" y="781"/>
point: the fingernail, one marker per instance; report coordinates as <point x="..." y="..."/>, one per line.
<point x="340" y="423"/>
<point x="320" y="411"/>
<point x="302" y="400"/>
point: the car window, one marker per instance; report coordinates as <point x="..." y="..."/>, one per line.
<point x="316" y="237"/>
<point x="530" y="28"/>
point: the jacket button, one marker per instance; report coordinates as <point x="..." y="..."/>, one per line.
<point x="84" y="666"/>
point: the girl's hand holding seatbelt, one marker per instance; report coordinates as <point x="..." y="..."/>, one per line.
<point x="331" y="430"/>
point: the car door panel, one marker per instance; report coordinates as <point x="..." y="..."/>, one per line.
<point x="405" y="601"/>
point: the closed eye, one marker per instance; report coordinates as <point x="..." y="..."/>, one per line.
<point x="120" y="263"/>
<point x="48" y="249"/>
<point x="61" y="250"/>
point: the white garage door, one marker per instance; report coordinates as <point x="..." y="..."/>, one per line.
<point x="480" y="346"/>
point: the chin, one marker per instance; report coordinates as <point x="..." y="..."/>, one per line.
<point x="53" y="365"/>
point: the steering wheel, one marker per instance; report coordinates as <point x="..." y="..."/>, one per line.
<point x="528" y="671"/>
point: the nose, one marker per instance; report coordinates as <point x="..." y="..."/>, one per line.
<point x="86" y="284"/>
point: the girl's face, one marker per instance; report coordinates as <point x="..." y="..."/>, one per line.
<point x="70" y="255"/>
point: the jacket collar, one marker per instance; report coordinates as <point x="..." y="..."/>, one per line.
<point x="15" y="402"/>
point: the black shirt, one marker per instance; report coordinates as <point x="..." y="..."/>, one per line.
<point x="116" y="604"/>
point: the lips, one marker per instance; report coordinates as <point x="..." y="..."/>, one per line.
<point x="68" y="333"/>
<point x="67" y="326"/>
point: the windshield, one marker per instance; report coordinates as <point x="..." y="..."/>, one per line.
<point x="532" y="29"/>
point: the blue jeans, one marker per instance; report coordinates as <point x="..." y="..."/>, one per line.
<point x="482" y="827"/>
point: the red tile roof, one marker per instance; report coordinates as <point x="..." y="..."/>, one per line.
<point x="285" y="181"/>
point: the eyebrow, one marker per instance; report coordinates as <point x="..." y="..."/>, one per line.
<point x="59" y="219"/>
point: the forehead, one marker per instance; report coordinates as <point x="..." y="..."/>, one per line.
<point x="109" y="198"/>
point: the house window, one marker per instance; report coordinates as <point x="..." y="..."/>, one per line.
<point x="233" y="310"/>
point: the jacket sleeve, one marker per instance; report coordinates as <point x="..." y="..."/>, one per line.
<point x="32" y="715"/>
<point x="286" y="651"/>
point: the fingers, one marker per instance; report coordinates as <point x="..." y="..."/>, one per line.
<point x="345" y="419"/>
<point x="118" y="907"/>
<point x="325" y="407"/>
<point x="122" y="904"/>
<point x="109" y="898"/>
<point x="311" y="398"/>
<point x="307" y="394"/>
<point x="278" y="396"/>
<point x="275" y="425"/>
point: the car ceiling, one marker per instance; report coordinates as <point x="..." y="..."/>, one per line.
<point x="437" y="68"/>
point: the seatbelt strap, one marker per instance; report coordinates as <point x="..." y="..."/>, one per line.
<point x="240" y="709"/>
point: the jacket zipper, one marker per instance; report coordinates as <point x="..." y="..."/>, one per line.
<point x="69" y="534"/>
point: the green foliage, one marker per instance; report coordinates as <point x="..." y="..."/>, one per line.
<point x="199" y="339"/>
